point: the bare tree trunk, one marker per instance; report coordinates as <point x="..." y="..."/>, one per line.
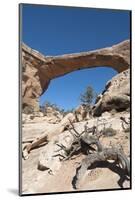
<point x="105" y="155"/>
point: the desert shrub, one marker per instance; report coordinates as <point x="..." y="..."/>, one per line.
<point x="67" y="111"/>
<point x="127" y="129"/>
<point x="109" y="132"/>
<point x="32" y="117"/>
<point x="28" y="110"/>
<point x="47" y="104"/>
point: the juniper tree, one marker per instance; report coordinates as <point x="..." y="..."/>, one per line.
<point x="88" y="96"/>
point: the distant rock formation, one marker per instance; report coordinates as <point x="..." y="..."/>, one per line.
<point x="38" y="70"/>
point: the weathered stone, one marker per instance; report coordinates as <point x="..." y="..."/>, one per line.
<point x="83" y="112"/>
<point x="53" y="114"/>
<point x="39" y="70"/>
<point x="57" y="175"/>
<point x="116" y="95"/>
<point x="50" y="156"/>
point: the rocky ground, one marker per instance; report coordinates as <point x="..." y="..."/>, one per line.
<point x="44" y="172"/>
<point x="105" y="176"/>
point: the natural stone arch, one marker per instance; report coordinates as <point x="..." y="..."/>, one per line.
<point x="38" y="70"/>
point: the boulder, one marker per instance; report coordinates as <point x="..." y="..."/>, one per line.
<point x="116" y="95"/>
<point x="51" y="155"/>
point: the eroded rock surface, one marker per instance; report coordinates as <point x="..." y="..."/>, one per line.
<point x="116" y="95"/>
<point x="38" y="70"/>
<point x="45" y="172"/>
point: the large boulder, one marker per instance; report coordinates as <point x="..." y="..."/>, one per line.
<point x="116" y="95"/>
<point x="51" y="155"/>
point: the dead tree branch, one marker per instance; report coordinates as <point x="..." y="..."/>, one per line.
<point x="82" y="142"/>
<point x="105" y="155"/>
<point x="124" y="122"/>
<point x="35" y="143"/>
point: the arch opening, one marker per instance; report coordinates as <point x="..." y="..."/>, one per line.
<point x="65" y="91"/>
<point x="39" y="71"/>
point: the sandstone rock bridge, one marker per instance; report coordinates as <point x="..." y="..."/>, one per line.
<point x="38" y="70"/>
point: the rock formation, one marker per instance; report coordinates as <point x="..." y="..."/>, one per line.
<point x="38" y="70"/>
<point x="47" y="144"/>
<point x="116" y="95"/>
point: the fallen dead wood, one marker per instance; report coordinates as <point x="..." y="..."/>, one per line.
<point x="28" y="141"/>
<point x="107" y="154"/>
<point x="82" y="142"/>
<point x="31" y="144"/>
<point x="35" y="143"/>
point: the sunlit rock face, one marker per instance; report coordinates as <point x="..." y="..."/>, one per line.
<point x="33" y="81"/>
<point x="38" y="70"/>
<point x="116" y="96"/>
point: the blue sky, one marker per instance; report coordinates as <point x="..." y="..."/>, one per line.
<point x="59" y="30"/>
